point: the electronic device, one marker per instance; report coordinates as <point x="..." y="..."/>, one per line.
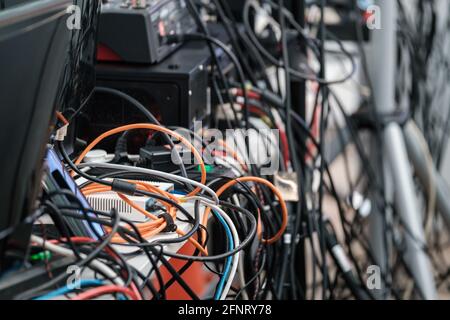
<point x="106" y="201"/>
<point x="57" y="178"/>
<point x="175" y="91"/>
<point x="79" y="73"/>
<point x="135" y="31"/>
<point x="33" y="45"/>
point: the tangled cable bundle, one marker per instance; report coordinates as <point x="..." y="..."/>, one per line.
<point x="299" y="232"/>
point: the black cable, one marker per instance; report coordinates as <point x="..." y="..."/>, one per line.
<point x="229" y="53"/>
<point x="215" y="62"/>
<point x="148" y="115"/>
<point x="324" y="89"/>
<point x="32" y="292"/>
<point x="223" y="256"/>
<point x="150" y="246"/>
<point x="308" y="41"/>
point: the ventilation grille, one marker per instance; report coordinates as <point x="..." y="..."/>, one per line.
<point x="106" y="201"/>
<point x="110" y="200"/>
<point x="107" y="204"/>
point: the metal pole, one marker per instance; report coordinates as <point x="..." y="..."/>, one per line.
<point x="384" y="67"/>
<point x="421" y="166"/>
<point x="377" y="233"/>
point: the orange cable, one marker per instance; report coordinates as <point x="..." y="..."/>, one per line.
<point x="155" y="128"/>
<point x="61" y="118"/>
<point x="150" y="228"/>
<point x="277" y="193"/>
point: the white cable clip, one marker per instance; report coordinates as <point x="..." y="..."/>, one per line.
<point x="61" y="133"/>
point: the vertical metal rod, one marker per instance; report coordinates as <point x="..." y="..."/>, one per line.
<point x="384" y="68"/>
<point x="377" y="232"/>
<point x="421" y="167"/>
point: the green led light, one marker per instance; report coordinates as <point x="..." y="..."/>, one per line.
<point x="41" y="256"/>
<point x="208" y="168"/>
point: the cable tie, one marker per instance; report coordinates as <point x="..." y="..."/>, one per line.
<point x="171" y="226"/>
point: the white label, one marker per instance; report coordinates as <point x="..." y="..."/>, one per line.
<point x="342" y="259"/>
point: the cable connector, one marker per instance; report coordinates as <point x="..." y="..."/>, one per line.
<point x="61" y="133"/>
<point x="124" y="187"/>
<point x="287" y="238"/>
<point x="179" y="38"/>
<point x="174" y="38"/>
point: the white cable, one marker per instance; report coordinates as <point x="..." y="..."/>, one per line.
<point x="235" y="257"/>
<point x="231" y="164"/>
<point x="205" y="201"/>
<point x="241" y="273"/>
<point x="236" y="241"/>
<point x="69" y="253"/>
<point x="241" y="261"/>
<point x="153" y="173"/>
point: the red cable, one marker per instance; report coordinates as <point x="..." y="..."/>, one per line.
<point x="315" y="131"/>
<point x="250" y="94"/>
<point x="285" y="144"/>
<point x="93" y="293"/>
<point x="136" y="291"/>
<point x="79" y="239"/>
<point x="111" y="253"/>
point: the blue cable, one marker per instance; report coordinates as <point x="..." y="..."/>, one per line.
<point x="67" y="289"/>
<point x="227" y="268"/>
<point x="177" y="192"/>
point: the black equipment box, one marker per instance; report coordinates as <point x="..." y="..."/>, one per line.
<point x="135" y="31"/>
<point x="175" y="91"/>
